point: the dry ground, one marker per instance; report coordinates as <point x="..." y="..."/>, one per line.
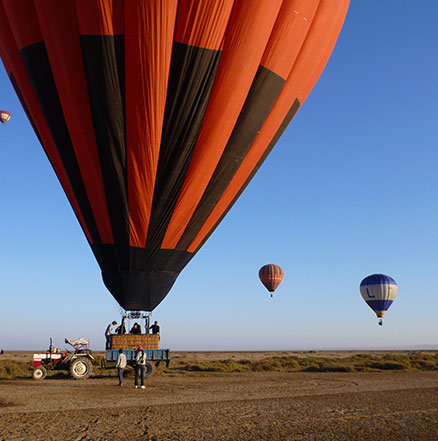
<point x="238" y="406"/>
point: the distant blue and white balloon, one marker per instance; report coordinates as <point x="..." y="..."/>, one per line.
<point x="379" y="291"/>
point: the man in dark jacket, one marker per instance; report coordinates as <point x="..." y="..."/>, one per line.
<point x="155" y="329"/>
<point x="135" y="329"/>
<point x="120" y="330"/>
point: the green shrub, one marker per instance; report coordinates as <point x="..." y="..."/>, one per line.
<point x="14" y="369"/>
<point x="388" y="366"/>
<point x="309" y="363"/>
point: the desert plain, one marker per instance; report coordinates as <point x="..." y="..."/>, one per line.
<point x="231" y="396"/>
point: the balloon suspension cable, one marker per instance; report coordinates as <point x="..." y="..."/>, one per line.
<point x="138" y="315"/>
<point x="123" y="313"/>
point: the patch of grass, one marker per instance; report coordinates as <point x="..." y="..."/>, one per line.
<point x="405" y="362"/>
<point x="388" y="366"/>
<point x="355" y="363"/>
<point x="14" y="369"/>
<point x="328" y="368"/>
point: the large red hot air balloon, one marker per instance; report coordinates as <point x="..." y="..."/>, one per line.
<point x="271" y="276"/>
<point x="156" y="114"/>
<point x="5" y="116"/>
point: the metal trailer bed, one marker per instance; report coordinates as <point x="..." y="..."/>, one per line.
<point x="154" y="355"/>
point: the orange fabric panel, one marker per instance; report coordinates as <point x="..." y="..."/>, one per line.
<point x="13" y="63"/>
<point x="288" y="35"/>
<point x="60" y="31"/>
<point x="148" y="49"/>
<point x="338" y="10"/>
<point x="100" y="17"/>
<point x="316" y="50"/>
<point x="23" y="22"/>
<point x="248" y="33"/>
<point x="202" y="23"/>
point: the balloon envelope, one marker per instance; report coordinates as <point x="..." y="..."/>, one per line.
<point x="156" y="114"/>
<point x="379" y="291"/>
<point x="5" y="116"/>
<point x="271" y="276"/>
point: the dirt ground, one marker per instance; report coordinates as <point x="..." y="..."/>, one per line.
<point x="238" y="406"/>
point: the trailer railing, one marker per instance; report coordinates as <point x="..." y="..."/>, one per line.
<point x="151" y="355"/>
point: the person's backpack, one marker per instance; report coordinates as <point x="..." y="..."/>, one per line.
<point x="142" y="360"/>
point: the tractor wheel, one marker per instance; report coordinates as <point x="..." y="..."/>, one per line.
<point x="80" y="368"/>
<point x="39" y="373"/>
<point x="149" y="370"/>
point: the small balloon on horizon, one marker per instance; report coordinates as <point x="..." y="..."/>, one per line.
<point x="271" y="276"/>
<point x="5" y="116"/>
<point x="379" y="292"/>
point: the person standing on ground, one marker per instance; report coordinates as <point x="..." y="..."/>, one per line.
<point x="108" y="332"/>
<point x="140" y="365"/>
<point x="120" y="365"/>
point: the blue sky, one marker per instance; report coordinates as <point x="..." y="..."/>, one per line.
<point x="349" y="190"/>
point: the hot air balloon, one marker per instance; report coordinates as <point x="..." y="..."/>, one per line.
<point x="5" y="116"/>
<point x="379" y="292"/>
<point x="271" y="276"/>
<point x="156" y="114"/>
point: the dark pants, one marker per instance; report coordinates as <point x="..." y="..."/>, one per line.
<point x="120" y="373"/>
<point x="108" y="342"/>
<point x="139" y="371"/>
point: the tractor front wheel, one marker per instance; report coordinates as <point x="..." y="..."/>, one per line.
<point x="80" y="368"/>
<point x="39" y="373"/>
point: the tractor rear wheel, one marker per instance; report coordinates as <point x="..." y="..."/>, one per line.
<point x="39" y="373"/>
<point x="80" y="368"/>
<point x="149" y="370"/>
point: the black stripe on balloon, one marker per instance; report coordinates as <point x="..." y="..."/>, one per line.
<point x="292" y="111"/>
<point x="38" y="69"/>
<point x="104" y="59"/>
<point x="147" y="283"/>
<point x="26" y="110"/>
<point x="191" y="79"/>
<point x="261" y="97"/>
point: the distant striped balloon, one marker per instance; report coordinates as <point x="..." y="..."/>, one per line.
<point x="379" y="291"/>
<point x="271" y="276"/>
<point x="5" y="116"/>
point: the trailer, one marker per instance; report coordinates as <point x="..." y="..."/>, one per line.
<point x="80" y="363"/>
<point x="153" y="356"/>
<point x="129" y="343"/>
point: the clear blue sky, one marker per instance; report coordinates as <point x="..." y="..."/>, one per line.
<point x="349" y="190"/>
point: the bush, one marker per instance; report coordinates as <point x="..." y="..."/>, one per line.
<point x="388" y="366"/>
<point x="309" y="363"/>
<point x="14" y="369"/>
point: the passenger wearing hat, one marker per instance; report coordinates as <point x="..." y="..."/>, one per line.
<point x="140" y="365"/>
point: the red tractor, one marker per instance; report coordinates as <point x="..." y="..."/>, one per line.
<point x="79" y="362"/>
